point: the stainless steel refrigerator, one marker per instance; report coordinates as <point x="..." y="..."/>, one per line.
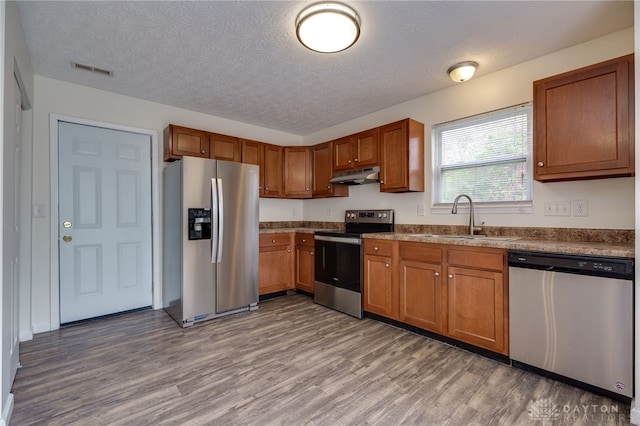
<point x="210" y="239"/>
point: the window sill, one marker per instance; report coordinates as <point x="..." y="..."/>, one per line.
<point x="520" y="207"/>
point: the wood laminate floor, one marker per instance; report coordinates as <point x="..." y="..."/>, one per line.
<point x="289" y="363"/>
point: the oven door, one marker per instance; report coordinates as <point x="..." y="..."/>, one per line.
<point x="338" y="262"/>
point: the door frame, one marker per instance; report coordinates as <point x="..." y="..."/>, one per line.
<point x="156" y="170"/>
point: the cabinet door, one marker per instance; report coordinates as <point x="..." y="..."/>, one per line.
<point x="223" y="147"/>
<point x="343" y="153"/>
<point x="421" y="297"/>
<point x="181" y="141"/>
<point x="304" y="268"/>
<point x="273" y="171"/>
<point x="297" y="172"/>
<point x="584" y="123"/>
<point x="476" y="307"/>
<point x="366" y="148"/>
<point x="378" y="292"/>
<point x="252" y="152"/>
<point x="402" y="156"/>
<point x="322" y="172"/>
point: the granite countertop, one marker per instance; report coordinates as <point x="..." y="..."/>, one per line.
<point x="515" y="243"/>
<point x="614" y="243"/>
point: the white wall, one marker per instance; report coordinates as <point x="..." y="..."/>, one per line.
<point x="611" y="201"/>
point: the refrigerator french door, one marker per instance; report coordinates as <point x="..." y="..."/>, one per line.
<point x="210" y="242"/>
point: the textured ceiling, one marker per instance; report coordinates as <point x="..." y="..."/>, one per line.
<point x="241" y="60"/>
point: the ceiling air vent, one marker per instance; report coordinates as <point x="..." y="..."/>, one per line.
<point x="91" y="69"/>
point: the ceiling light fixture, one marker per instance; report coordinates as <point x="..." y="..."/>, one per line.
<point x="328" y="27"/>
<point x="462" y="71"/>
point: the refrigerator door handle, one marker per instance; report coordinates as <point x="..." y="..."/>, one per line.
<point x="220" y="221"/>
<point x="214" y="220"/>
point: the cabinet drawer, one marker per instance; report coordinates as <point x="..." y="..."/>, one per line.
<point x="378" y="247"/>
<point x="494" y="260"/>
<point x="304" y="239"/>
<point x="267" y="240"/>
<point x="420" y="251"/>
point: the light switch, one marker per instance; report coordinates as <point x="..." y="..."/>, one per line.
<point x="37" y="210"/>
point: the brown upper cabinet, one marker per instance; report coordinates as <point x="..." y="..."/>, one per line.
<point x="584" y="122"/>
<point x="356" y="151"/>
<point x="297" y="172"/>
<point x="223" y="147"/>
<point x="402" y="156"/>
<point x="252" y="152"/>
<point x="322" y="172"/>
<point x="179" y="141"/>
<point x="273" y="179"/>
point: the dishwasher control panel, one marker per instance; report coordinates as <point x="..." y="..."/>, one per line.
<point x="615" y="267"/>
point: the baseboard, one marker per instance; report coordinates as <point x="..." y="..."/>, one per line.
<point x="41" y="327"/>
<point x="635" y="416"/>
<point x="26" y="335"/>
<point x="7" y="410"/>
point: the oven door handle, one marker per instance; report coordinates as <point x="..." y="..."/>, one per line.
<point x="345" y="240"/>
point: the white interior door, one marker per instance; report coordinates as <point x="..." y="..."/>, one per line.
<point x="104" y="188"/>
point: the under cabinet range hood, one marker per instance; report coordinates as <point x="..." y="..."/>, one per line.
<point x="357" y="177"/>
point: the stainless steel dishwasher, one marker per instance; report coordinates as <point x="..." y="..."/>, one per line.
<point x="573" y="316"/>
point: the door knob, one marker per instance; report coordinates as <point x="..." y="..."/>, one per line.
<point x="66" y="224"/>
<point x="67" y="238"/>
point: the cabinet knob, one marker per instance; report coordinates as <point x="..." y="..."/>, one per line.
<point x="381" y="181"/>
<point x="540" y="164"/>
<point x="202" y="152"/>
<point x="328" y="186"/>
<point x="306" y="189"/>
<point x="450" y="275"/>
<point x="386" y="265"/>
<point x="288" y="250"/>
<point x="376" y="249"/>
<point x="266" y="188"/>
<point x="356" y="160"/>
<point x="436" y="274"/>
<point x="349" y="161"/>
<point x="273" y="241"/>
<point x="311" y="253"/>
<point x="304" y="240"/>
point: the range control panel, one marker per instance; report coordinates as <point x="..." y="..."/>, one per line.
<point x="368" y="216"/>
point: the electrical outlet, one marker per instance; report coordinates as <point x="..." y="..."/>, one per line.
<point x="420" y="210"/>
<point x="580" y="208"/>
<point x="548" y="208"/>
<point x="564" y="208"/>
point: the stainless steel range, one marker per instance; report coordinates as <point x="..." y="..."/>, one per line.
<point x="339" y="260"/>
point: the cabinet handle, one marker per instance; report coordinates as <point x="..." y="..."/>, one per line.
<point x="450" y="275"/>
<point x="436" y="274"/>
<point x="540" y="164"/>
<point x="376" y="249"/>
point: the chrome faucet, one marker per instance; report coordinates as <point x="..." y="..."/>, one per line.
<point x="454" y="210"/>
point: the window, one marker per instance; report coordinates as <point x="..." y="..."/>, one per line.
<point x="487" y="157"/>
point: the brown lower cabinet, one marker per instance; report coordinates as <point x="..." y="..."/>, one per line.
<point x="469" y="303"/>
<point x="276" y="263"/>
<point x="305" y="262"/>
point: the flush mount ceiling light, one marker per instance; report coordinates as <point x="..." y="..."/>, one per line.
<point x="328" y="27"/>
<point x="462" y="71"/>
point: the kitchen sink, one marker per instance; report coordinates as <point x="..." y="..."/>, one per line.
<point x="468" y="237"/>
